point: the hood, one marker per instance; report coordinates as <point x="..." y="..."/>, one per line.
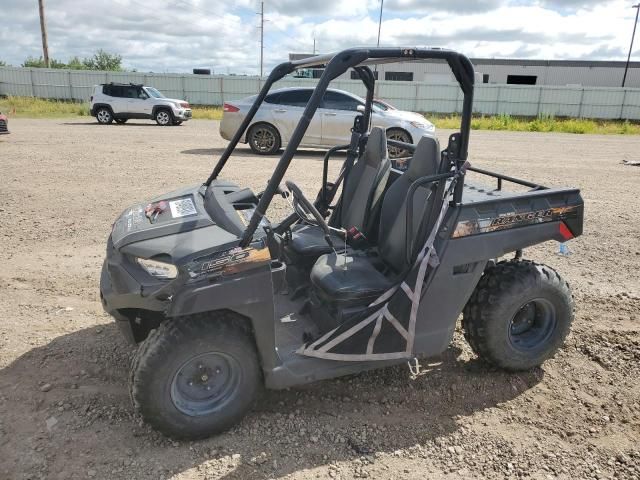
<point x="177" y="211"/>
<point x="405" y="115"/>
<point x="175" y="100"/>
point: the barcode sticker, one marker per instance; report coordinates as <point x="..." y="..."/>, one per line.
<point x="182" y="207"/>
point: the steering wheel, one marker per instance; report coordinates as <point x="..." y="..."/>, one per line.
<point x="304" y="208"/>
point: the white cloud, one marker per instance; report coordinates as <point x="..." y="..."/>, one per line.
<point x="177" y="35"/>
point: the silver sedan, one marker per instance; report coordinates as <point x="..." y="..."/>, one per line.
<point x="331" y="125"/>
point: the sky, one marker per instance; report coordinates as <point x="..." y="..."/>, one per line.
<point x="178" y="35"/>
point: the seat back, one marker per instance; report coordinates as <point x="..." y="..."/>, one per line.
<point x="365" y="183"/>
<point x="394" y="245"/>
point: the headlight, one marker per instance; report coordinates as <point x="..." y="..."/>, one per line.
<point x="157" y="269"/>
<point x="429" y="127"/>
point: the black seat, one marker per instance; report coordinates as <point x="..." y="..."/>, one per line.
<point x="364" y="277"/>
<point x="360" y="200"/>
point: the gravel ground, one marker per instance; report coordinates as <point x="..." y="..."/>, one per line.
<point x="64" y="408"/>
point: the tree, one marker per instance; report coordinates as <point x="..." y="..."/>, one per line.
<point x="102" y="60"/>
<point x="33" y="62"/>
<point x="76" y="64"/>
<point x="3" y="64"/>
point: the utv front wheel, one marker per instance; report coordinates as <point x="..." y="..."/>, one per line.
<point x="195" y="376"/>
<point x="519" y="315"/>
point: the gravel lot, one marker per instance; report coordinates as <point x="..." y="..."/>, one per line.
<point x="64" y="408"/>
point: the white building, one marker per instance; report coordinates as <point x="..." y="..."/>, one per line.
<point x="587" y="73"/>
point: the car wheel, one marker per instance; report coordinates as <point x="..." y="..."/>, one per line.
<point x="163" y="117"/>
<point x="401" y="136"/>
<point x="121" y="121"/>
<point x="264" y="139"/>
<point x="104" y="116"/>
<point x="196" y="376"/>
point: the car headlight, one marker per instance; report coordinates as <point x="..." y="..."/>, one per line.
<point x="429" y="127"/>
<point x="162" y="270"/>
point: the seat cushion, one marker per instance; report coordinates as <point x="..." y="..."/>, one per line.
<point x="308" y="241"/>
<point x="357" y="284"/>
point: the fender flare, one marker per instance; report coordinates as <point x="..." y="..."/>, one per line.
<point x="96" y="106"/>
<point x="155" y="109"/>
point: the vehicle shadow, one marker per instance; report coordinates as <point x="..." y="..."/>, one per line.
<point x="247" y="152"/>
<point x="63" y="402"/>
<point x="128" y="124"/>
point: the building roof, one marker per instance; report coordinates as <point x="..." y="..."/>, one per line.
<point x="523" y="62"/>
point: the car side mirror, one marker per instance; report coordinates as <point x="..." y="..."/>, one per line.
<point x="360" y="108"/>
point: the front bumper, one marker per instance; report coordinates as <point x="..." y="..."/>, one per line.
<point x="122" y="293"/>
<point x="183" y="114"/>
<point x="417" y="133"/>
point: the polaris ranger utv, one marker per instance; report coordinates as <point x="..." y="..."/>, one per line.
<point x="374" y="272"/>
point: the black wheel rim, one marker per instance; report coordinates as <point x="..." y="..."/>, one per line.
<point x="532" y="325"/>
<point x="205" y="383"/>
<point x="395" y="152"/>
<point x="263" y="139"/>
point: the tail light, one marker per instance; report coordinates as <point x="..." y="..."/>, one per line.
<point x="228" y="108"/>
<point x="184" y="105"/>
<point x="565" y="232"/>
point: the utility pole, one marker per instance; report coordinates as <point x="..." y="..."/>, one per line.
<point x="261" y="36"/>
<point x="43" y="30"/>
<point x="314" y="45"/>
<point x="635" y="24"/>
<point x="380" y="22"/>
<point x="375" y="69"/>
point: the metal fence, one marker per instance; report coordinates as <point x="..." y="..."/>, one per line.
<point x="579" y="102"/>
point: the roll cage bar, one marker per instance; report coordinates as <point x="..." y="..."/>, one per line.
<point x="335" y="65"/>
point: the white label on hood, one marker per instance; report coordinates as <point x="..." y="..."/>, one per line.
<point x="182" y="207"/>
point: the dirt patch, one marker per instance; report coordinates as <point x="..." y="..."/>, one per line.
<point x="64" y="407"/>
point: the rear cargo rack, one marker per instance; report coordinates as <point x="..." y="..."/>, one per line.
<point x="500" y="177"/>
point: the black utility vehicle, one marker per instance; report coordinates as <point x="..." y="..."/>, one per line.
<point x="224" y="302"/>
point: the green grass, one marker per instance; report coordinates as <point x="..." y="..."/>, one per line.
<point x="29" y="107"/>
<point x="207" y="113"/>
<point x="540" y="124"/>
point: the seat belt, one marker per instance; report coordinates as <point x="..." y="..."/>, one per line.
<point x="352" y="155"/>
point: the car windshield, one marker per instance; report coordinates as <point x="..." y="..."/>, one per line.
<point x="383" y="105"/>
<point x="153" y="92"/>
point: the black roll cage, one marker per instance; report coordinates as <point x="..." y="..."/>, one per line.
<point x="335" y="65"/>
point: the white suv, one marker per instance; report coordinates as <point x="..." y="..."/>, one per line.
<point x="120" y="102"/>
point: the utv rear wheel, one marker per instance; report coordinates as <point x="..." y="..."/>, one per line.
<point x="519" y="315"/>
<point x="104" y="116"/>
<point x="195" y="376"/>
<point x="264" y="139"/>
<point x="163" y="117"/>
